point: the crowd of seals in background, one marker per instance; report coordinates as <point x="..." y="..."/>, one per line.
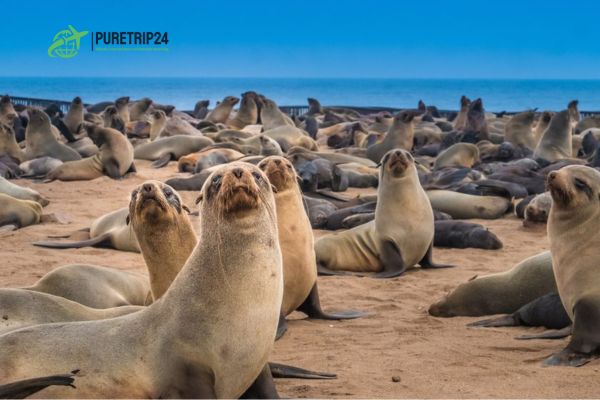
<point x="264" y="181"/>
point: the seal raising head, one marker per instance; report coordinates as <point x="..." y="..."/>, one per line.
<point x="280" y="172"/>
<point x="573" y="187"/>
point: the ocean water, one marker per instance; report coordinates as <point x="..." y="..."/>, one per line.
<point x="498" y="95"/>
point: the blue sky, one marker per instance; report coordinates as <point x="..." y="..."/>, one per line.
<point x="374" y="39"/>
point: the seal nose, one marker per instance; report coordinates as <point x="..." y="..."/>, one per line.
<point x="278" y="162"/>
<point x="238" y="172"/>
<point x="148" y="187"/>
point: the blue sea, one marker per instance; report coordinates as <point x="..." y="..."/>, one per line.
<point x="498" y="95"/>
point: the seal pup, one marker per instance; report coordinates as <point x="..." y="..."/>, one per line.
<point x="114" y="159"/>
<point x="40" y="140"/>
<point x="221" y="112"/>
<point x="461" y="235"/>
<point x="458" y="155"/>
<point x="574" y="243"/>
<point x="297" y="246"/>
<point x="39" y="167"/>
<point x="501" y="293"/>
<point x="400" y="135"/>
<point x="401" y="234"/>
<point x="556" y="143"/>
<point x="237" y="206"/>
<point x="110" y="230"/>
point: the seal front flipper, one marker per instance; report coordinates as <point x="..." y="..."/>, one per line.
<point x="162" y="161"/>
<point x="287" y="371"/>
<point x="263" y="386"/>
<point x="281" y="327"/>
<point x="312" y="308"/>
<point x="391" y="259"/>
<point x="505" y="320"/>
<point x="132" y="169"/>
<point x="427" y="261"/>
<point x="27" y="387"/>
<point x="553" y="334"/>
<point x="585" y="339"/>
<point x="103" y="240"/>
<point x="324" y="271"/>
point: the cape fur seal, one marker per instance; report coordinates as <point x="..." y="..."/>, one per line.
<point x="110" y="230"/>
<point x="458" y="155"/>
<point x="518" y="130"/>
<point x="297" y="245"/>
<point x="221" y="112"/>
<point x="400" y="135"/>
<point x="247" y="114"/>
<point x="114" y="159"/>
<point x="238" y="201"/>
<point x="22" y="193"/>
<point x="466" y="206"/>
<point x="163" y="150"/>
<point x="8" y="143"/>
<point x="94" y="286"/>
<point x="40" y="140"/>
<point x="19" y="213"/>
<point x="460" y="122"/>
<point x="556" y="142"/>
<point x="575" y="245"/>
<point x="501" y="293"/>
<point x="401" y="234"/>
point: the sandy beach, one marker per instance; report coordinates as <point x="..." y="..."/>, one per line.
<point x="398" y="351"/>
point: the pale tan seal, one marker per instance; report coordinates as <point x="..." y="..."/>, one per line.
<point x="20" y="192"/>
<point x="163" y="231"/>
<point x="575" y="246"/>
<point x="138" y="109"/>
<point x="466" y="206"/>
<point x="542" y="125"/>
<point x="110" y="230"/>
<point x="400" y="135"/>
<point x="74" y="117"/>
<point x="260" y="145"/>
<point x="212" y="356"/>
<point x="289" y="136"/>
<point x="41" y="141"/>
<point x="222" y="111"/>
<point x="95" y="286"/>
<point x="114" y="159"/>
<point x="197" y="162"/>
<point x="297" y="246"/>
<point x="271" y="116"/>
<point x="556" y="142"/>
<point x="247" y="114"/>
<point x="458" y="155"/>
<point x="519" y="131"/>
<point x="19" y="213"/>
<point x="8" y="143"/>
<point x="163" y="150"/>
<point x="7" y="111"/>
<point x="501" y="293"/>
<point x="401" y="235"/>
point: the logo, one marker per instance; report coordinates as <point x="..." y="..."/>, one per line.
<point x="66" y="43"/>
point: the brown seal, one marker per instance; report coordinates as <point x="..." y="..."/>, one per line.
<point x="41" y="141"/>
<point x="460" y="122"/>
<point x="556" y="143"/>
<point x="400" y="135"/>
<point x="221" y="112"/>
<point x="401" y="235"/>
<point x="575" y="246"/>
<point x="223" y="285"/>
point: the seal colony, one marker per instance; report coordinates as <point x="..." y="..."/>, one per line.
<point x="264" y="181"/>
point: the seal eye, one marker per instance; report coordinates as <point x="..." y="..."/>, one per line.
<point x="581" y="185"/>
<point x="216" y="180"/>
<point x="168" y="192"/>
<point x="257" y="176"/>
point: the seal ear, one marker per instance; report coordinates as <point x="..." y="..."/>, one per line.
<point x="186" y="208"/>
<point x="127" y="219"/>
<point x="200" y="198"/>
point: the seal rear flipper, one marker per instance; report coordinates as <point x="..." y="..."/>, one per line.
<point x="162" y="161"/>
<point x="84" y="230"/>
<point x="427" y="261"/>
<point x="312" y="308"/>
<point x="505" y="320"/>
<point x="281" y="327"/>
<point x="391" y="259"/>
<point x="103" y="240"/>
<point x="288" y="371"/>
<point x="324" y="271"/>
<point x="27" y="387"/>
<point x="552" y="334"/>
<point x="263" y="386"/>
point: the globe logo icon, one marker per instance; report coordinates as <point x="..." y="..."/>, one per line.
<point x="66" y="43"/>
